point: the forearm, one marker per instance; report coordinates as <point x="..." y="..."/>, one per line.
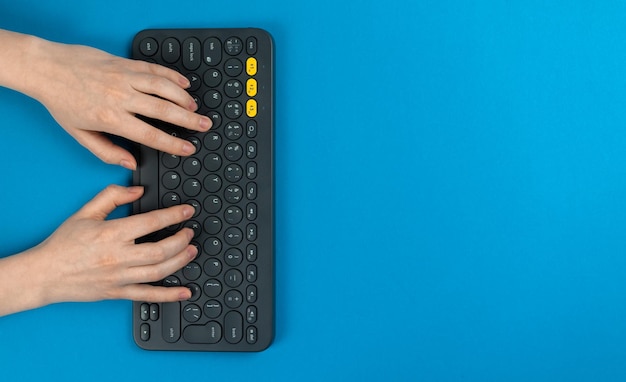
<point x="21" y="283"/>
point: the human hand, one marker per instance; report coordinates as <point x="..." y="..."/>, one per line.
<point x="89" y="258"/>
<point x="90" y="92"/>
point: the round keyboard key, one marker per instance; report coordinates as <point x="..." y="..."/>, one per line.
<point x="233" y="173"/>
<point x="233" y="299"/>
<point x="233" y="151"/>
<point x="196" y="205"/>
<point x="233" y="215"/>
<point x="233" y="130"/>
<point x="233" y="257"/>
<point x="233" y="236"/>
<point x="233" y="109"/>
<point x="195" y="141"/>
<point x="212" y="204"/>
<point x="192" y="187"/>
<point x="192" y="166"/>
<point x="195" y="226"/>
<point x="212" y="183"/>
<point x="192" y="271"/>
<point x="170" y="199"/>
<point x="170" y="160"/>
<point x="212" y="246"/>
<point x="233" y="278"/>
<point x="148" y="46"/>
<point x="212" y="162"/>
<point x="212" y="309"/>
<point x="233" y="46"/>
<point x="233" y="194"/>
<point x="171" y="281"/>
<point x="192" y="313"/>
<point x="212" y="78"/>
<point x="212" y="141"/>
<point x="233" y="67"/>
<point x="212" y="288"/>
<point x="212" y="225"/>
<point x="212" y="267"/>
<point x="212" y="99"/>
<point x="194" y="81"/>
<point x="196" y="292"/>
<point x="216" y="118"/>
<point x="170" y="180"/>
<point x="233" y="88"/>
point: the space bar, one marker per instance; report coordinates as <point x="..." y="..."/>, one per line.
<point x="171" y="321"/>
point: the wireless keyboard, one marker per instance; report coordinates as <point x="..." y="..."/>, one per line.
<point x="229" y="181"/>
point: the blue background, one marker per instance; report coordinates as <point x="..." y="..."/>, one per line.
<point x="450" y="193"/>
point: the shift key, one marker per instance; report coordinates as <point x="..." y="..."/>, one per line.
<point x="170" y="318"/>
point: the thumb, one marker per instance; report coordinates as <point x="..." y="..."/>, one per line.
<point x="107" y="200"/>
<point x="103" y="148"/>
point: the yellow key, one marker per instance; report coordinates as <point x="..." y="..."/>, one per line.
<point x="251" y="87"/>
<point x="251" y="108"/>
<point x="251" y="66"/>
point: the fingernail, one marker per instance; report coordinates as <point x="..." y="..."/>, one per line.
<point x="192" y="250"/>
<point x="185" y="295"/>
<point x="184" y="82"/>
<point x="188" y="148"/>
<point x="193" y="106"/>
<point x="205" y="123"/>
<point x="128" y="165"/>
<point x="188" y="211"/>
<point x="135" y="189"/>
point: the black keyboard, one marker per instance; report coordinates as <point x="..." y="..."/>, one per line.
<point x="229" y="181"/>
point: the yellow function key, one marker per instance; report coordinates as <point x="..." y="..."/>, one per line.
<point x="251" y="108"/>
<point x="251" y="87"/>
<point x="251" y="66"/>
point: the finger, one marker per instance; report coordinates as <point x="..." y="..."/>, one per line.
<point x="148" y="135"/>
<point x="149" y="293"/>
<point x="103" y="148"/>
<point x="148" y="222"/>
<point x="109" y="199"/>
<point x="163" y="87"/>
<point x="157" y="252"/>
<point x="163" y="71"/>
<point x="159" y="271"/>
<point x="164" y="110"/>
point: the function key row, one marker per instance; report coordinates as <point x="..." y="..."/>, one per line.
<point x="194" y="52"/>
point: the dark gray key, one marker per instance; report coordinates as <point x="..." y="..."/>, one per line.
<point x="233" y="327"/>
<point x="210" y="333"/>
<point x="212" y="51"/>
<point x="170" y="313"/>
<point x="191" y="53"/>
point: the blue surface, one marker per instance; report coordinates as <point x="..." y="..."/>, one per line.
<point x="451" y="193"/>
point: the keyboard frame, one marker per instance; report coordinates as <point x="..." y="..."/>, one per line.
<point x="148" y="175"/>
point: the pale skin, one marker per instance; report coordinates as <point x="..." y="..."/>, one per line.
<point x="88" y="258"/>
